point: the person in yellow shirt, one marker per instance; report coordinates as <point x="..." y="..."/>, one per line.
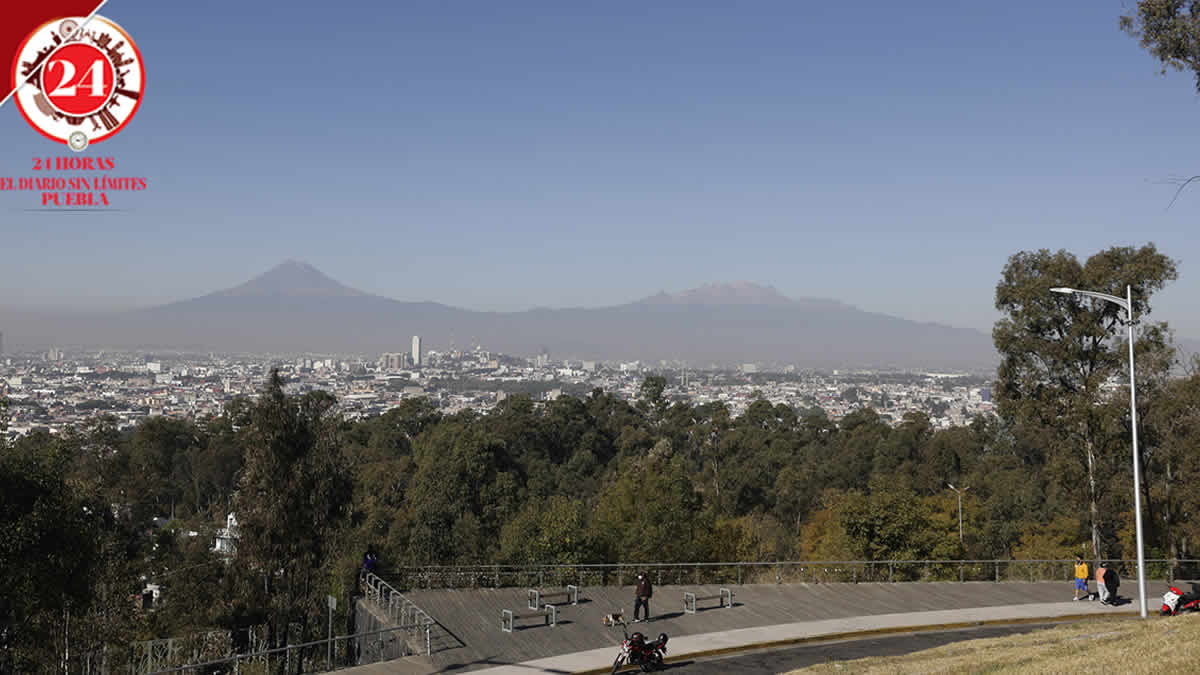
<point x="1081" y="578"/>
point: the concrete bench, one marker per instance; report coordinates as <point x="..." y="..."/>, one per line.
<point x="548" y="614"/>
<point x="568" y="596"/>
<point x="724" y="599"/>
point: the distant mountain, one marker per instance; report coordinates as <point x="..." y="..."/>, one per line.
<point x="736" y="293"/>
<point x="290" y="279"/>
<point x="294" y="307"/>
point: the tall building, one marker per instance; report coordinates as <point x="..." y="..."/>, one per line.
<point x="1" y="342"/>
<point x="393" y="361"/>
<point x="416" y="350"/>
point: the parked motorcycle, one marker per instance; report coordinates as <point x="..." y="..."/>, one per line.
<point x="1176" y="601"/>
<point x="636" y="650"/>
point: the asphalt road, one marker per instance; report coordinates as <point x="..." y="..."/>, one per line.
<point x="790" y="658"/>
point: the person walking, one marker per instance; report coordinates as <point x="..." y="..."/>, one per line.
<point x="1081" y="578"/>
<point x="1101" y="588"/>
<point x="1112" y="582"/>
<point x="643" y="592"/>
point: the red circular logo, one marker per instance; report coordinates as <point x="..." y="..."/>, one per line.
<point x="79" y="79"/>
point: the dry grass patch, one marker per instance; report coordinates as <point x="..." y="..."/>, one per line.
<point x="1104" y="646"/>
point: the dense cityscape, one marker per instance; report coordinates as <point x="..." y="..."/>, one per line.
<point x="58" y="388"/>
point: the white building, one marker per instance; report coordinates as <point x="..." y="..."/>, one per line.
<point x="226" y="543"/>
<point x="416" y="350"/>
<point x="393" y="362"/>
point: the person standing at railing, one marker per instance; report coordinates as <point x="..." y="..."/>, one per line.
<point x="1081" y="578"/>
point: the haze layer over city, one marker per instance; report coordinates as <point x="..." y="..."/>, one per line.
<point x="526" y="155"/>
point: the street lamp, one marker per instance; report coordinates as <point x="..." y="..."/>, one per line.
<point x="960" y="494"/>
<point x="1127" y="305"/>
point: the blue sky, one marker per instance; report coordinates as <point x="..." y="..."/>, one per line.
<point x="518" y="154"/>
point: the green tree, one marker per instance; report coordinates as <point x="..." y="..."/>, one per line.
<point x="544" y="532"/>
<point x="1172" y="422"/>
<point x="650" y="396"/>
<point x="292" y="497"/>
<point x="1057" y="351"/>
<point x="890" y="523"/>
<point x="1169" y="30"/>
<point x="650" y="513"/>
<point x="50" y="540"/>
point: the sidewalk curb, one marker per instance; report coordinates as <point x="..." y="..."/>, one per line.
<point x="833" y="637"/>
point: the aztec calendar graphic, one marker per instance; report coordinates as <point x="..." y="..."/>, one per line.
<point x="82" y="83"/>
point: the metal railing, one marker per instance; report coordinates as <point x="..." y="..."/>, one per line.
<point x="423" y="632"/>
<point x="318" y="656"/>
<point x="779" y="572"/>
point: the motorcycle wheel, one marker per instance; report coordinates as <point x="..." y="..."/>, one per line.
<point x="617" y="665"/>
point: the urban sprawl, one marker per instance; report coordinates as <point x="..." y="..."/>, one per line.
<point x="60" y="388"/>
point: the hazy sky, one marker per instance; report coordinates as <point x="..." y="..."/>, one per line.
<point x="504" y="155"/>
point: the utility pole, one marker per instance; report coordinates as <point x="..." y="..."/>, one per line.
<point x="960" y="494"/>
<point x="332" y="601"/>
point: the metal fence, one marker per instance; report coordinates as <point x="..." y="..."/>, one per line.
<point x="152" y="655"/>
<point x="317" y="656"/>
<point x="424" y="635"/>
<point x="395" y="628"/>
<point x="779" y="572"/>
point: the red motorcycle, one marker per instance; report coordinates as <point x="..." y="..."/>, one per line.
<point x="1176" y="601"/>
<point x="636" y="650"/>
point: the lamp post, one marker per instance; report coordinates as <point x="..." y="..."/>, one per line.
<point x="960" y="494"/>
<point x="1127" y="305"/>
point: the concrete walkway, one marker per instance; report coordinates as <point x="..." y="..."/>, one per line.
<point x="762" y="614"/>
<point x="600" y="660"/>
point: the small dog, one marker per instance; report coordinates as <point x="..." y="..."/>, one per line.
<point x="613" y="619"/>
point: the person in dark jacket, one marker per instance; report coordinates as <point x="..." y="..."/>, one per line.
<point x="1112" y="581"/>
<point x="643" y="592"/>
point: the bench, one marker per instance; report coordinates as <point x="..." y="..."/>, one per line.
<point x="724" y="598"/>
<point x="549" y="616"/>
<point x="537" y="599"/>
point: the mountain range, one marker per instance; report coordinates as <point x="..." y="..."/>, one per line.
<point x="296" y="308"/>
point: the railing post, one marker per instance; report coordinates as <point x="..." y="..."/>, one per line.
<point x="497" y="576"/>
<point x="891" y="571"/>
<point x="962" y="572"/>
<point x="739" y="570"/>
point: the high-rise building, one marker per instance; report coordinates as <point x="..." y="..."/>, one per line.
<point x="1" y="342"/>
<point x="416" y="350"/>
<point x="393" y="361"/>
